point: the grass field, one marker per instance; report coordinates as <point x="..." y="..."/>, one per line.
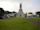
<point x="18" y="23"/>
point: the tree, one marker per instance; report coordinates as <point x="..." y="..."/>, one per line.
<point x="38" y="13"/>
<point x="14" y="12"/>
<point x="1" y="13"/>
<point x="7" y="12"/>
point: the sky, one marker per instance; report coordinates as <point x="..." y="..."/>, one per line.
<point x="27" y="5"/>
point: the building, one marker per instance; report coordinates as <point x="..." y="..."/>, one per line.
<point x="9" y="14"/>
<point x="20" y="13"/>
<point x="30" y="15"/>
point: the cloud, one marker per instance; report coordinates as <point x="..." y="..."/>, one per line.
<point x="28" y="5"/>
<point x="8" y="6"/>
<point x="17" y="0"/>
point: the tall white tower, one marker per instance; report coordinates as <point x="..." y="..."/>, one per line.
<point x="20" y="13"/>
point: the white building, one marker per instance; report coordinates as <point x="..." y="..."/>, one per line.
<point x="29" y="15"/>
<point x="20" y="13"/>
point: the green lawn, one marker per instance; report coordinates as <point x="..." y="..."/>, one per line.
<point x="18" y="23"/>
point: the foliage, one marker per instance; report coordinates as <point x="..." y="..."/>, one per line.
<point x="38" y="13"/>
